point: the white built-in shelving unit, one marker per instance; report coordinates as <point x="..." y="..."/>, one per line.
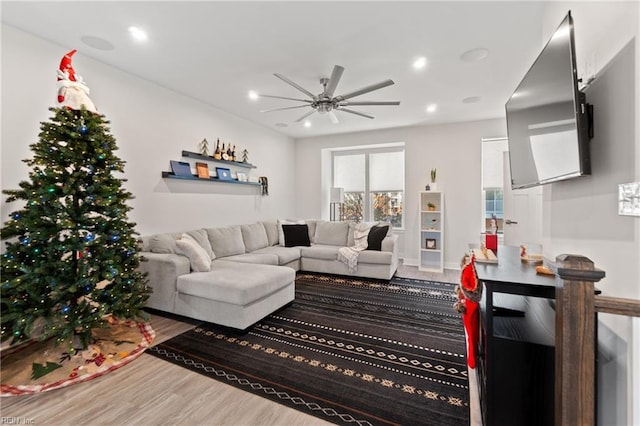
<point x="431" y="231"/>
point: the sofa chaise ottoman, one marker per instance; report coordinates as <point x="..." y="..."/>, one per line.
<point x="234" y="295"/>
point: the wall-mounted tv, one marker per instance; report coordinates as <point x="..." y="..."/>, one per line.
<point x="548" y="118"/>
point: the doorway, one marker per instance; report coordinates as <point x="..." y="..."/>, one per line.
<point x="518" y="213"/>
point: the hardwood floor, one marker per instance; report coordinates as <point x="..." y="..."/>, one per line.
<point x="150" y="391"/>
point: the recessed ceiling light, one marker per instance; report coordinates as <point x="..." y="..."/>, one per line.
<point x="253" y="95"/>
<point x="307" y="123"/>
<point x="97" y="42"/>
<point x="432" y="108"/>
<point x="471" y="100"/>
<point x="475" y="55"/>
<point x="420" y="63"/>
<point x="137" y="33"/>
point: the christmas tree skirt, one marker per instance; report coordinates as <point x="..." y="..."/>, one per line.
<point x="41" y="366"/>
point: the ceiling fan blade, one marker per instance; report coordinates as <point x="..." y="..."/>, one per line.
<point x="333" y="118"/>
<point x="362" y="114"/>
<point x="370" y="103"/>
<point x="364" y="90"/>
<point x="305" y="116"/>
<point x="281" y="109"/>
<point x="283" y="97"/>
<point x="336" y="74"/>
<point x="297" y="86"/>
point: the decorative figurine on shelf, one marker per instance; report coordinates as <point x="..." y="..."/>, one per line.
<point x="245" y="156"/>
<point x="225" y="152"/>
<point x="72" y="92"/>
<point x="234" y="154"/>
<point x="204" y="147"/>
<point x="217" y="155"/>
<point x="469" y="293"/>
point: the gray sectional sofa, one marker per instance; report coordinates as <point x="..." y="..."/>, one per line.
<point x="236" y="275"/>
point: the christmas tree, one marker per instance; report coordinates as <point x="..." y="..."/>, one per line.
<point x="71" y="254"/>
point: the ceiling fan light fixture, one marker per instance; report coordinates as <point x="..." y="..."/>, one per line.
<point x="253" y="95"/>
<point x="307" y="123"/>
<point x="326" y="103"/>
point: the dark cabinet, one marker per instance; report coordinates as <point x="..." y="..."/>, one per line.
<point x="516" y="343"/>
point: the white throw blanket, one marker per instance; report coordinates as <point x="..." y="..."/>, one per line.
<point x="349" y="255"/>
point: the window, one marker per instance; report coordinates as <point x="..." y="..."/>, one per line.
<point x="373" y="182"/>
<point x="492" y="182"/>
<point x="493" y="208"/>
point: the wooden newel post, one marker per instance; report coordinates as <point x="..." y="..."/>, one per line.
<point x="575" y="340"/>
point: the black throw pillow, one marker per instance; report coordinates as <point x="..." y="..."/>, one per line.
<point x="296" y="235"/>
<point x="376" y="235"/>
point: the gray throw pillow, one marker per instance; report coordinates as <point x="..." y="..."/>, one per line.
<point x="201" y="237"/>
<point x="198" y="257"/>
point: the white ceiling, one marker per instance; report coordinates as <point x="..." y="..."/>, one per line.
<point x="217" y="51"/>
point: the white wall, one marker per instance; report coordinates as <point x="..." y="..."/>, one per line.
<point x="453" y="149"/>
<point x="152" y="125"/>
<point x="581" y="215"/>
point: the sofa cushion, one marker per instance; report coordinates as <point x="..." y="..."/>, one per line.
<point x="323" y="252"/>
<point x="258" y="258"/>
<point x="198" y="257"/>
<point x="296" y="235"/>
<point x="331" y="233"/>
<point x="286" y="222"/>
<point x="271" y="228"/>
<point x="377" y="257"/>
<point x="228" y="283"/>
<point x="311" y="223"/>
<point x="254" y="236"/>
<point x="226" y="240"/>
<point x="285" y="254"/>
<point x="376" y="235"/>
<point x="163" y="243"/>
<point x="200" y="236"/>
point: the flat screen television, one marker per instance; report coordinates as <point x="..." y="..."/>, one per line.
<point x="548" y="118"/>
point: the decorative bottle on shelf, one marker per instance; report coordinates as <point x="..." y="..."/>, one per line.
<point x="234" y="154"/>
<point x="229" y="152"/>
<point x="225" y="154"/>
<point x="218" y="153"/>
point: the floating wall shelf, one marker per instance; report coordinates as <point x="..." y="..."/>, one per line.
<point x="196" y="156"/>
<point x="169" y="175"/>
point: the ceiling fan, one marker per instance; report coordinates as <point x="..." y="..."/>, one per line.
<point x="326" y="103"/>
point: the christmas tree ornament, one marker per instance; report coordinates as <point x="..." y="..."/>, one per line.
<point x="73" y="93"/>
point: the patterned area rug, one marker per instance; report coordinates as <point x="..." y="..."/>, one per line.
<point x="350" y="351"/>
